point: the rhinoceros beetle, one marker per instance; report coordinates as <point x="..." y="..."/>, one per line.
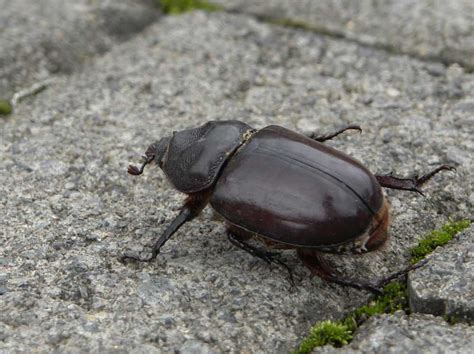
<point x="286" y="189"/>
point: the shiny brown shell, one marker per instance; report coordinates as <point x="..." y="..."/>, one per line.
<point x="291" y="189"/>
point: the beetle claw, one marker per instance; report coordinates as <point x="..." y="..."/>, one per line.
<point x="133" y="170"/>
<point x="373" y="288"/>
<point x="270" y="257"/>
<point x="429" y="175"/>
<point x="411" y="184"/>
<point x="355" y="127"/>
<point x="419" y="191"/>
<point x="127" y="257"/>
<point x="447" y="168"/>
<point x="287" y="267"/>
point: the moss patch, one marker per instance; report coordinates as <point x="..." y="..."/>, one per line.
<point x="393" y="298"/>
<point x="326" y="332"/>
<point x="339" y="333"/>
<point x="5" y="107"/>
<point x="175" y="7"/>
<point x="437" y="238"/>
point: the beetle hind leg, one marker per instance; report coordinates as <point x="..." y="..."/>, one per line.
<point x="402" y="273"/>
<point x="319" y="267"/>
<point x="412" y="184"/>
<point x="267" y="256"/>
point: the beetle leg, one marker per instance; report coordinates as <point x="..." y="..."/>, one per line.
<point x="254" y="251"/>
<point x="322" y="138"/>
<point x="373" y="288"/>
<point x="384" y="281"/>
<point x="189" y="211"/>
<point x="318" y="266"/>
<point x="268" y="257"/>
<point x="409" y="184"/>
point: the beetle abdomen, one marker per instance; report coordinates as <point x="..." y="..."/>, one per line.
<point x="294" y="190"/>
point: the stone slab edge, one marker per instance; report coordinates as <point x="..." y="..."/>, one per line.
<point x="435" y="30"/>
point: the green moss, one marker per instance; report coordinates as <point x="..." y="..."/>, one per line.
<point x="339" y="333"/>
<point x="5" y="107"/>
<point x="394" y="298"/>
<point x="437" y="238"/>
<point x="326" y="332"/>
<point x="451" y="319"/>
<point x="175" y="7"/>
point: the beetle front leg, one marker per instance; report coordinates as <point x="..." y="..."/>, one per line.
<point x="410" y="184"/>
<point x="322" y="138"/>
<point x="189" y="211"/>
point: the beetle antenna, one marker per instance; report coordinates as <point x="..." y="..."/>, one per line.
<point x="135" y="171"/>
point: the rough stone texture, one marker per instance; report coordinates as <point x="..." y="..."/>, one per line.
<point x="408" y="334"/>
<point x="445" y="286"/>
<point x="40" y="38"/>
<point x="440" y="30"/>
<point x="69" y="208"/>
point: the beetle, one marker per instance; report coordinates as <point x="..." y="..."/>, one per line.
<point x="288" y="190"/>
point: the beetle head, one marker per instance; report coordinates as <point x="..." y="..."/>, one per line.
<point x="155" y="152"/>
